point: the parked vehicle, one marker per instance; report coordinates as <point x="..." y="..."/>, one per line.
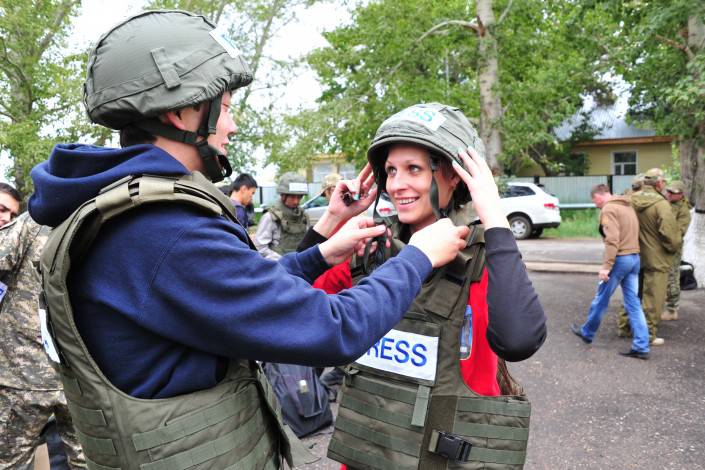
<point x="530" y="209"/>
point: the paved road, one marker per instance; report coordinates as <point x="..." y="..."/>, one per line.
<point x="594" y="409"/>
<point x="582" y="250"/>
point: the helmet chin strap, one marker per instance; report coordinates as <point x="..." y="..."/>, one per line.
<point x="435" y="196"/>
<point x="215" y="163"/>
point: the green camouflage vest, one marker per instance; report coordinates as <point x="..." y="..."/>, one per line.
<point x="394" y="418"/>
<point x="235" y="425"/>
<point x="293" y="225"/>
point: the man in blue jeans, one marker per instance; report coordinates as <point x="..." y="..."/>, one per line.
<point x="619" y="228"/>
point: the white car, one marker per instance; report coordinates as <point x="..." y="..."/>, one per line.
<point x="530" y="209"/>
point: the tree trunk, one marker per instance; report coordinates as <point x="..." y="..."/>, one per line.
<point x="692" y="155"/>
<point x="490" y="102"/>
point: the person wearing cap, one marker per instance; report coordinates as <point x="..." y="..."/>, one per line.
<point x="241" y="192"/>
<point x="659" y="241"/>
<point x="158" y="306"/>
<point x="329" y="183"/>
<point x="444" y="362"/>
<point x="619" y="228"/>
<point x="283" y="226"/>
<point x="681" y="209"/>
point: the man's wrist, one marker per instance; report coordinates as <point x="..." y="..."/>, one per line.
<point x="327" y="224"/>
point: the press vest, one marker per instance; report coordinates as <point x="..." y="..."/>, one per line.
<point x="293" y="225"/>
<point x="404" y="403"/>
<point x="234" y="425"/>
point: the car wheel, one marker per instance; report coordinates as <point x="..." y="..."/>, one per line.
<point x="536" y="233"/>
<point x="520" y="226"/>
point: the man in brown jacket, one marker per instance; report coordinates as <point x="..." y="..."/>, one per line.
<point x="681" y="210"/>
<point x="619" y="228"/>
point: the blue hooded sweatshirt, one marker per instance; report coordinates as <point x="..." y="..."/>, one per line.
<point x="166" y="295"/>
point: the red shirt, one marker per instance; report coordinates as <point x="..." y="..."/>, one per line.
<point x="480" y="369"/>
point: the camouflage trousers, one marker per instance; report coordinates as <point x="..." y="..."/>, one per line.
<point x="673" y="292"/>
<point x="23" y="415"/>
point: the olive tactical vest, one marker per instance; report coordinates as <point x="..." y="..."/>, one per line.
<point x="293" y="225"/>
<point x="235" y="425"/>
<point x="414" y="411"/>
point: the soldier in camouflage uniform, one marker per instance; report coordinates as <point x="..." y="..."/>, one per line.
<point x="681" y="209"/>
<point x="30" y="388"/>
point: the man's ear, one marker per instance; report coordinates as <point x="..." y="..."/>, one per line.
<point x="174" y="119"/>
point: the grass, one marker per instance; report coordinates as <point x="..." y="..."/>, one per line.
<point x="576" y="223"/>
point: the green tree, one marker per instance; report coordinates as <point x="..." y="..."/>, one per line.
<point x="394" y="54"/>
<point x="661" y="52"/>
<point x="39" y="83"/>
<point x="252" y="24"/>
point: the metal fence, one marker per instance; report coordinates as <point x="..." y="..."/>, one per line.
<point x="574" y="191"/>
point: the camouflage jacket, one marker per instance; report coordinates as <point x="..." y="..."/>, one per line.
<point x="681" y="209"/>
<point x="659" y="237"/>
<point x="23" y="362"/>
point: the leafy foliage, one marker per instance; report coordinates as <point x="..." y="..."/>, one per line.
<point x="39" y="84"/>
<point x="376" y="66"/>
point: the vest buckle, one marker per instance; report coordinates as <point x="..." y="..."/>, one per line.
<point x="450" y="446"/>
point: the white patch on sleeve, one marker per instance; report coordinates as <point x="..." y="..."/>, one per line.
<point x="46" y="338"/>
<point x="408" y="354"/>
<point x="430" y="118"/>
<point x="3" y="291"/>
<point x="221" y="37"/>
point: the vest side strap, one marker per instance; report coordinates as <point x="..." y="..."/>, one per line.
<point x="181" y="427"/>
<point x="210" y="450"/>
<point x="96" y="445"/>
<point x="384" y="390"/>
<point x="114" y="201"/>
<point x="371" y="411"/>
<point x="474" y="405"/>
<point x="71" y="386"/>
<point x="96" y="466"/>
<point x="423" y="395"/>
<point x="86" y="415"/>
<point x="382" y="439"/>
<point x="491" y="431"/>
<point x="507" y="457"/>
<point x="373" y="461"/>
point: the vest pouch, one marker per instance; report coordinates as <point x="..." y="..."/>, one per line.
<point x="234" y="429"/>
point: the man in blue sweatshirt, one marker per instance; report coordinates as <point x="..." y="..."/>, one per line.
<point x="158" y="305"/>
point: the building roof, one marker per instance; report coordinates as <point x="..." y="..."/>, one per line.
<point x="609" y="122"/>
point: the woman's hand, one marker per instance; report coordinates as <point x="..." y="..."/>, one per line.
<point x="480" y="182"/>
<point x="338" y="212"/>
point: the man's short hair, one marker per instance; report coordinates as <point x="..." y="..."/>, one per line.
<point x="243" y="179"/>
<point x="11" y="191"/>
<point x="600" y="189"/>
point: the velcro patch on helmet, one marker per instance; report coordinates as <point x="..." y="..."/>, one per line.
<point x="431" y="118"/>
<point x="298" y="187"/>
<point x="221" y="37"/>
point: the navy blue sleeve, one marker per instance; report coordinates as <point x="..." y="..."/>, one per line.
<point x="517" y="323"/>
<point x="311" y="237"/>
<point x="212" y="293"/>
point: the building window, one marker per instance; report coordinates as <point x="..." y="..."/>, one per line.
<point x="624" y="163"/>
<point x="320" y="170"/>
<point x="347" y="171"/>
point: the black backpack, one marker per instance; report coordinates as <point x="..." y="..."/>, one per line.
<point x="302" y="396"/>
<point x="687" y="280"/>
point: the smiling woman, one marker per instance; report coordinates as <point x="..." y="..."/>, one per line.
<point x="442" y="367"/>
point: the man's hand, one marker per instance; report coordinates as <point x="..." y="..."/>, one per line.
<point x="604" y="275"/>
<point x="338" y="212"/>
<point x="440" y="241"/>
<point x="483" y="189"/>
<point x="351" y="238"/>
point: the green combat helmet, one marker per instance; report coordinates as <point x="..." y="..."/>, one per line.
<point x="441" y="129"/>
<point x="676" y="187"/>
<point x="292" y="183"/>
<point x="653" y="176"/>
<point x="159" y="61"/>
